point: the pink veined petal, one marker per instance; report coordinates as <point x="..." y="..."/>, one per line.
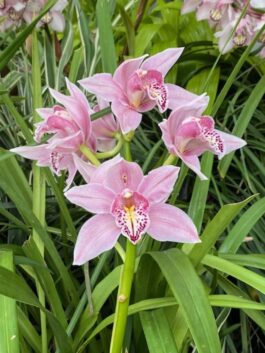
<point x="94" y="198"/>
<point x="231" y="143"/>
<point x="158" y="184"/>
<point x="69" y="143"/>
<point x="33" y="152"/>
<point x="194" y="164"/>
<point x="167" y="136"/>
<point x="71" y="168"/>
<point x="178" y="97"/>
<point x="86" y="169"/>
<point x="101" y="173"/>
<point x="126" y="69"/>
<point x="83" y="120"/>
<point x="123" y="175"/>
<point x="73" y="107"/>
<point x="203" y="12"/>
<point x="163" y="61"/>
<point x="45" y="113"/>
<point x="96" y="236"/>
<point x="103" y="86"/>
<point x="58" y="22"/>
<point x="189" y="6"/>
<point x="128" y="118"/>
<point x="169" y="223"/>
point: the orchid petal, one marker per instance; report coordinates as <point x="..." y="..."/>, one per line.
<point x="169" y="223"/>
<point x="96" y="236"/>
<point x="103" y="86"/>
<point x="126" y="69"/>
<point x="158" y="184"/>
<point x="101" y="172"/>
<point x="94" y="198"/>
<point x="58" y="22"/>
<point x="194" y="164"/>
<point x="231" y="143"/>
<point x="86" y="169"/>
<point x="179" y="97"/>
<point x="162" y="61"/>
<point x="128" y="118"/>
<point x="189" y="6"/>
<point x="123" y="175"/>
<point x="33" y="152"/>
<point x="83" y="120"/>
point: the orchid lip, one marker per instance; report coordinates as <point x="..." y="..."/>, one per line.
<point x="130" y="210"/>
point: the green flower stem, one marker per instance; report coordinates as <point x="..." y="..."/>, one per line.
<point x="38" y="181"/>
<point x="100" y="113"/>
<point x="123" y="299"/>
<point x="171" y="159"/>
<point x="90" y="155"/>
<point x="113" y="152"/>
<point x="121" y="312"/>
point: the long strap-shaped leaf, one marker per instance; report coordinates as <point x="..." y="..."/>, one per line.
<point x="188" y="289"/>
<point x="9" y="337"/>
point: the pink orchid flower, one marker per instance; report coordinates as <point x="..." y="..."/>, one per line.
<point x="187" y="135"/>
<point x="138" y="86"/>
<point x="104" y="129"/>
<point x="69" y="127"/>
<point x="11" y="13"/>
<point x="53" y="18"/>
<point x="127" y="202"/>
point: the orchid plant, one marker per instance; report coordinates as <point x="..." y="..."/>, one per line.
<point x="124" y="200"/>
<point x="225" y="16"/>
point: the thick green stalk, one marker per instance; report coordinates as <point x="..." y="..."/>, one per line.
<point x="38" y="179"/>
<point x="90" y="155"/>
<point x="121" y="312"/>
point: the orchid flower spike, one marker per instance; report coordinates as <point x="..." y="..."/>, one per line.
<point x="187" y="135"/>
<point x="138" y="86"/>
<point x="69" y="126"/>
<point x="127" y="202"/>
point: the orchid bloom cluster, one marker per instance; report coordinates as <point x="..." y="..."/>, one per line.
<point x="124" y="200"/>
<point x="13" y="13"/>
<point x="225" y="17"/>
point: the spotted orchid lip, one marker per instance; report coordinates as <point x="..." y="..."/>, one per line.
<point x="130" y="210"/>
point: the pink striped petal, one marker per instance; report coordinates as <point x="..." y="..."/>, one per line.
<point x="94" y="198"/>
<point x="124" y="175"/>
<point x="36" y="153"/>
<point x="86" y="169"/>
<point x="128" y="118"/>
<point x="96" y="236"/>
<point x="126" y="69"/>
<point x="83" y="120"/>
<point x="194" y="164"/>
<point x="101" y="172"/>
<point x="103" y="86"/>
<point x="178" y="97"/>
<point x="231" y="143"/>
<point x="169" y="223"/>
<point x="158" y="184"/>
<point x="162" y="61"/>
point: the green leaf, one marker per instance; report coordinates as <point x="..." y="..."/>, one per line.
<point x="249" y="277"/>
<point x="191" y="297"/>
<point x="9" y="335"/>
<point x="233" y="301"/>
<point x="106" y="40"/>
<point x="157" y="332"/>
<point x="242" y="228"/>
<point x="243" y="121"/>
<point x="214" y="230"/>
